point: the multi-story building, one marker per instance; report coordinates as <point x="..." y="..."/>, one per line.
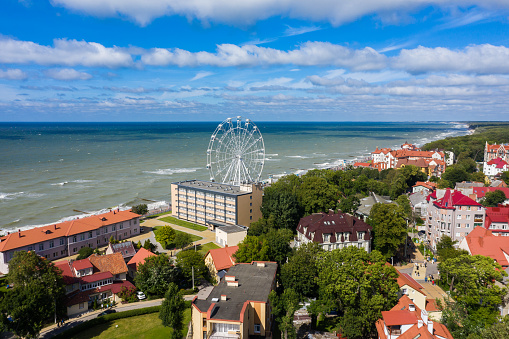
<point x="66" y="238"/>
<point x="496" y="151"/>
<point x="495" y="166"/>
<point x="334" y="230"/>
<point x="454" y="215"/>
<point x="213" y="204"/>
<point x="239" y="306"/>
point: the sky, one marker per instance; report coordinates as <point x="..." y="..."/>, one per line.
<point x="267" y="60"/>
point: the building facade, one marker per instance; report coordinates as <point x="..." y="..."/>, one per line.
<point x="454" y="215"/>
<point x="213" y="204"/>
<point x="68" y="237"/>
<point x="334" y="230"/>
<point x="496" y="151"/>
<point x="494" y="167"/>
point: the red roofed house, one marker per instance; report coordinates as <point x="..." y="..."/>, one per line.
<point x="125" y="248"/>
<point x="496" y="151"/>
<point x="406" y="320"/>
<point x="484" y="242"/>
<point x="334" y="230"/>
<point x="97" y="278"/>
<point x="424" y="186"/>
<point x="219" y="261"/>
<point x="66" y="238"/>
<point x="454" y="215"/>
<point x="480" y="192"/>
<point x="497" y="220"/>
<point x="139" y="258"/>
<point x="413" y="290"/>
<point x="495" y="166"/>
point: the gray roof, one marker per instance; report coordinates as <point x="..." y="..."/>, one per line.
<point x="232" y="229"/>
<point x="255" y="284"/>
<point x="208" y="186"/>
<point x="417" y="198"/>
<point x="125" y="248"/>
<point x="368" y="202"/>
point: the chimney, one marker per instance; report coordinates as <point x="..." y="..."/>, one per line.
<point x="411" y="307"/>
<point x="232" y="283"/>
<point x="260" y="264"/>
<point x="419" y="323"/>
<point x="223" y="297"/>
<point x="55" y="226"/>
<point x="229" y="277"/>
<point x="19" y="233"/>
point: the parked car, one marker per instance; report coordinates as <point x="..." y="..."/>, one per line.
<point x="107" y="312"/>
<point x="141" y="295"/>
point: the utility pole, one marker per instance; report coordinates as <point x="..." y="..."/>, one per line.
<point x="193" y="275"/>
<point x="406" y="238"/>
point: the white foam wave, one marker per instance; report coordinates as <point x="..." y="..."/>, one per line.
<point x="170" y="171"/>
<point x="60" y="183"/>
<point x="272" y="155"/>
<point x="297" y="156"/>
<point x="10" y="196"/>
<point x="270" y="159"/>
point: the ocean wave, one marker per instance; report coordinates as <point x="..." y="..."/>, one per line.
<point x="60" y="183"/>
<point x="11" y="196"/>
<point x="170" y="171"/>
<point x="297" y="156"/>
<point x="270" y="159"/>
<point x="272" y="155"/>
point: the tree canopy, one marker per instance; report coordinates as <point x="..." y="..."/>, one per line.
<point x="186" y="260"/>
<point x="283" y="309"/>
<point x="84" y="253"/>
<point x="182" y="240"/>
<point x="252" y="248"/>
<point x="155" y="274"/>
<point x="140" y="209"/>
<point x="301" y="270"/>
<point x="492" y="199"/>
<point x="446" y="249"/>
<point x="172" y="310"/>
<point x="165" y="235"/>
<point x="389" y="228"/>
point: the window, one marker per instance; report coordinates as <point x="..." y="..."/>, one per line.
<point x="250" y="217"/>
<point x="114" y="227"/>
<point x="82" y="236"/>
<point x="74" y="239"/>
<point x="251" y="197"/>
<point x="51" y="244"/>
<point x="74" y="249"/>
<point x="41" y="247"/>
<point x="30" y="248"/>
<point x="82" y="305"/>
<point x="89" y="235"/>
<point x="250" y="211"/>
<point x="61" y="241"/>
<point x="250" y="204"/>
<point x="97" y="232"/>
<point x="257" y="328"/>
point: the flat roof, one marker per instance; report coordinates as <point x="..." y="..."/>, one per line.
<point x="208" y="186"/>
<point x="255" y="284"/>
<point x="232" y="229"/>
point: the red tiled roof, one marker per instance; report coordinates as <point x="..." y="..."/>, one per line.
<point x="406" y="279"/>
<point x="441" y="330"/>
<point x="96" y="277"/>
<point x="382" y="150"/>
<point x="416" y="331"/>
<point x="481" y="191"/>
<point x="82" y="264"/>
<point x="482" y="241"/>
<point x="66" y="272"/>
<point x="455" y="198"/>
<point x="428" y="184"/>
<point x="431" y="305"/>
<point x="81" y="297"/>
<point x="223" y="257"/>
<point x="399" y="317"/>
<point x="495" y="147"/>
<point x="63" y="229"/>
<point x="498" y="162"/>
<point x="113" y="263"/>
<point x="362" y="164"/>
<point x="139" y="257"/>
<point x="496" y="214"/>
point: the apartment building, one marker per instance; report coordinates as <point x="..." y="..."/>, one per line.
<point x="214" y="204"/>
<point x="67" y="238"/>
<point x="239" y="306"/>
<point x="452" y="213"/>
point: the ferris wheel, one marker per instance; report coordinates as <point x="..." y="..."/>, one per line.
<point x="236" y="152"/>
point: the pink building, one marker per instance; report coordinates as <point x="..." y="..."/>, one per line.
<point x="452" y="214"/>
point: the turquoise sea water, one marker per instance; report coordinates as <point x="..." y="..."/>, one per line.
<point x="48" y="170"/>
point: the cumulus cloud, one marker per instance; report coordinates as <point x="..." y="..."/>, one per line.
<point x="481" y="59"/>
<point x="67" y="74"/>
<point x="308" y="54"/>
<point x="13" y="74"/>
<point x="250" y="11"/>
<point x="63" y="52"/>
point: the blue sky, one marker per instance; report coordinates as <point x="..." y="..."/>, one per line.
<point x="299" y="60"/>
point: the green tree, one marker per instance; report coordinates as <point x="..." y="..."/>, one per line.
<point x="478" y="176"/>
<point x="261" y="226"/>
<point x="446" y="249"/>
<point x="496" y="331"/>
<point x="468" y="164"/>
<point x="389" y="228"/>
<point x="172" y="311"/>
<point x="283" y="309"/>
<point x="412" y="174"/>
<point x="505" y="176"/>
<point x="278" y="244"/>
<point x="148" y="245"/>
<point x="84" y="253"/>
<point x="252" y="248"/>
<point x="282" y="206"/>
<point x="492" y="199"/>
<point x="404" y="203"/>
<point x="455" y="173"/>
<point x="140" y="209"/>
<point x="186" y="260"/>
<point x="350" y="279"/>
<point x="317" y="195"/>
<point x="349" y="204"/>
<point x="37" y="297"/>
<point x="301" y="270"/>
<point x="139" y="245"/>
<point x="165" y="236"/>
<point x="182" y="240"/>
<point x="155" y="274"/>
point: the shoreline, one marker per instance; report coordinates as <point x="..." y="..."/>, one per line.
<point x="450" y="128"/>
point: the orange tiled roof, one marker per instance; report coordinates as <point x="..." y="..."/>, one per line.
<point x="495" y="147"/>
<point x="139" y="257"/>
<point x="223" y="257"/>
<point x="428" y="184"/>
<point x="482" y="241"/>
<point x="63" y="229"/>
<point x="406" y="279"/>
<point x="113" y="263"/>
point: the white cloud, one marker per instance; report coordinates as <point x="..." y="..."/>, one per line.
<point x="67" y="74"/>
<point x="308" y="54"/>
<point x="64" y="52"/>
<point x="291" y="31"/>
<point x="250" y="11"/>
<point x="201" y="75"/>
<point x="481" y="59"/>
<point x="13" y="74"/>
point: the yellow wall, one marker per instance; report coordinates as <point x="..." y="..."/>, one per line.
<point x="75" y="309"/>
<point x="244" y="206"/>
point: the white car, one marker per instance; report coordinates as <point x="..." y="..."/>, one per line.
<point x="141" y="295"/>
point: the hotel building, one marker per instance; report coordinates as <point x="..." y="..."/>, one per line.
<point x="214" y="204"/>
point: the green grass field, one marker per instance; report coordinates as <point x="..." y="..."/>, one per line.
<point x="183" y="223"/>
<point x="203" y="249"/>
<point x="157" y="215"/>
<point x="146" y="326"/>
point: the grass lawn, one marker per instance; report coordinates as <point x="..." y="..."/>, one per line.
<point x="203" y="249"/>
<point x="143" y="326"/>
<point x="193" y="237"/>
<point x="157" y="215"/>
<point x="183" y="223"/>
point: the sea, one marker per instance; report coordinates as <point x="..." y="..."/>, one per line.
<point x="52" y="172"/>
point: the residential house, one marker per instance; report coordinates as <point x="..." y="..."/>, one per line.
<point x="97" y="278"/>
<point x="480" y="192"/>
<point x="494" y="167"/>
<point x="419" y="204"/>
<point x="484" y="242"/>
<point x="413" y="290"/>
<point x="125" y="248"/>
<point x="219" y="261"/>
<point x="230" y="235"/>
<point x="68" y="237"/>
<point x="406" y="320"/>
<point x="334" y="230"/>
<point x="496" y="151"/>
<point x="367" y="203"/>
<point x="238" y="307"/>
<point x="454" y="215"/>
<point x="426" y="186"/>
<point x="137" y="260"/>
<point x="433" y="163"/>
<point x="467" y="187"/>
<point x="497" y="220"/>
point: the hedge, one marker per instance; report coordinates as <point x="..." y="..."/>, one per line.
<point x="104" y="319"/>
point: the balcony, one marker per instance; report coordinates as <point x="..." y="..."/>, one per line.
<point x="225" y="335"/>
